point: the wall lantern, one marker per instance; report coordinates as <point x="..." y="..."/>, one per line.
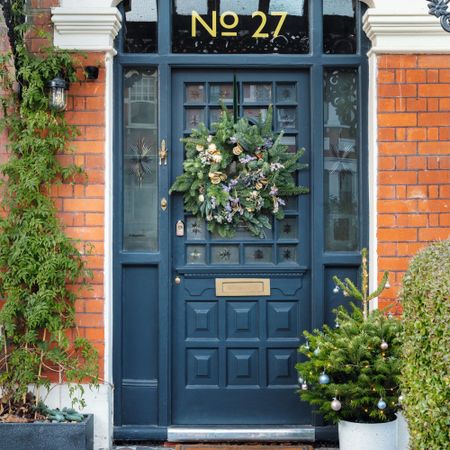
<point x="57" y="94"/>
<point x="91" y="72"/>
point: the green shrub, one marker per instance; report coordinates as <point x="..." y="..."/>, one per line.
<point x="425" y="297"/>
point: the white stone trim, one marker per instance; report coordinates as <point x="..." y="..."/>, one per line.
<point x="373" y="177"/>
<point x="86" y="29"/>
<point x="404" y="26"/>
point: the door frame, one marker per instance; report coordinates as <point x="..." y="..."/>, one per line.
<point x="321" y="261"/>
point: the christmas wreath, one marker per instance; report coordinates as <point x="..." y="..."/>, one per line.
<point x="239" y="176"/>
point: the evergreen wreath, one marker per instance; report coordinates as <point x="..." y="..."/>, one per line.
<point x="239" y="176"/>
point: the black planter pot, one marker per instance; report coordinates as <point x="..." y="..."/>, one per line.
<point x="48" y="436"/>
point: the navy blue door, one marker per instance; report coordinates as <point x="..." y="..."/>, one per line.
<point x="234" y="357"/>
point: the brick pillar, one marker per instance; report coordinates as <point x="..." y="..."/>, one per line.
<point x="413" y="161"/>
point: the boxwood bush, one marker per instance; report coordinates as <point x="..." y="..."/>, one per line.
<point x="425" y="297"/>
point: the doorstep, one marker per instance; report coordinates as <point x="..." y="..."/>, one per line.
<point x="224" y="447"/>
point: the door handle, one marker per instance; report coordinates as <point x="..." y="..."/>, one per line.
<point x="163" y="153"/>
<point x="164" y="203"/>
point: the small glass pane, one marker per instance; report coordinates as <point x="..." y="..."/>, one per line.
<point x="221" y="93"/>
<point x="291" y="204"/>
<point x="140" y="25"/>
<point x="257" y="93"/>
<point x="215" y="115"/>
<point x="287" y="118"/>
<point x="341" y="160"/>
<point x="230" y="26"/>
<point x="258" y="254"/>
<point x="195" y="93"/>
<point x="287" y="254"/>
<point x="255" y="115"/>
<point x="291" y="142"/>
<point x="225" y="254"/>
<point x="140" y="213"/>
<point x="286" y="93"/>
<point x="287" y="228"/>
<point x="339" y="24"/>
<point x="243" y="234"/>
<point x="196" y="229"/>
<point x="194" y="117"/>
<point x="195" y="254"/>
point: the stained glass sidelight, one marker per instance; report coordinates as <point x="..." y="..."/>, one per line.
<point x="339" y="26"/>
<point x="341" y="160"/>
<point x="140" y="167"/>
<point x="240" y="26"/>
<point x="140" y="26"/>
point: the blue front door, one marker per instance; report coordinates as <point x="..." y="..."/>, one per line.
<point x="233" y="357"/>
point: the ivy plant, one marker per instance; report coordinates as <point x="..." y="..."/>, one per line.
<point x="39" y="264"/>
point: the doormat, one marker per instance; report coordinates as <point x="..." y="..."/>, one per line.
<point x="242" y="447"/>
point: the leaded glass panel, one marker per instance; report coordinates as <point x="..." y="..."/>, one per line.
<point x="140" y="167"/>
<point x="341" y="160"/>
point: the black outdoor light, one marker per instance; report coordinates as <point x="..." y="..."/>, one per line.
<point x="57" y="94"/>
<point x="91" y="72"/>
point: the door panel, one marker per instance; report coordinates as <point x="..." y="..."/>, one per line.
<point x="234" y="357"/>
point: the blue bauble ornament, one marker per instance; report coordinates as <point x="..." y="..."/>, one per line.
<point x="381" y="404"/>
<point x="324" y="378"/>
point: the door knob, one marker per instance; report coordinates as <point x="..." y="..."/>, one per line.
<point x="164" y="203"/>
<point x="177" y="280"/>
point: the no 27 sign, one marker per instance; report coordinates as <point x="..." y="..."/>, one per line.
<point x="229" y="22"/>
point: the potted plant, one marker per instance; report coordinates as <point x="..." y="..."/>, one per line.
<point x="351" y="372"/>
<point x="40" y="267"/>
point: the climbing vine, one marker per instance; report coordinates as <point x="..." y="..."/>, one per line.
<point x="39" y="264"/>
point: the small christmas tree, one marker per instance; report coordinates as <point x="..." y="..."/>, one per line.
<point x="351" y="372"/>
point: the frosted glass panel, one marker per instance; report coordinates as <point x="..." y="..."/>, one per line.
<point x="140" y="162"/>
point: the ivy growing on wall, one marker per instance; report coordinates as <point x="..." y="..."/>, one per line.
<point x="39" y="265"/>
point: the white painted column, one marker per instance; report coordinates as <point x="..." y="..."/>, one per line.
<point x="91" y="26"/>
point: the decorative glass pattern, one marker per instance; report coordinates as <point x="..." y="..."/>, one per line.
<point x="286" y="93"/>
<point x="288" y="228"/>
<point x="287" y="118"/>
<point x="217" y="31"/>
<point x="339" y="25"/>
<point x="341" y="160"/>
<point x="257" y="93"/>
<point x="140" y="26"/>
<point x="195" y="254"/>
<point x="194" y="117"/>
<point x="195" y="229"/>
<point x="225" y="254"/>
<point x="287" y="254"/>
<point x="195" y="93"/>
<point x="140" y="164"/>
<point x="221" y="92"/>
<point x="258" y="254"/>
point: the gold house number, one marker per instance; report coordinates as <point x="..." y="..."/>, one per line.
<point x="229" y="20"/>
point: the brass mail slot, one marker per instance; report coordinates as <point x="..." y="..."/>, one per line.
<point x="242" y="287"/>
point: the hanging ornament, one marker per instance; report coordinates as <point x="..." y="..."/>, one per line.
<point x="307" y="344"/>
<point x="300" y="380"/>
<point x="324" y="378"/>
<point x="400" y="400"/>
<point x="304" y="385"/>
<point x="387" y="285"/>
<point x="336" y="324"/>
<point x="336" y="405"/>
<point x="317" y="351"/>
<point x="381" y="404"/>
<point x="336" y="290"/>
<point x="384" y="345"/>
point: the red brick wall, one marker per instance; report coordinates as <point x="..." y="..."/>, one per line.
<point x="413" y="161"/>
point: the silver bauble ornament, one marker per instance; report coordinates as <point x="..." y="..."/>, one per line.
<point x="317" y="351"/>
<point x="336" y="290"/>
<point x="400" y="400"/>
<point x="300" y="381"/>
<point x="381" y="404"/>
<point x="307" y="345"/>
<point x="336" y="405"/>
<point x="304" y="386"/>
<point x="336" y="324"/>
<point x="324" y="378"/>
<point x="384" y="345"/>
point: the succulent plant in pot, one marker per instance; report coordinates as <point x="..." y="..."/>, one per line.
<point x="351" y="372"/>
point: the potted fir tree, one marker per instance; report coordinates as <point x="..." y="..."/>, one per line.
<point x="351" y="372"/>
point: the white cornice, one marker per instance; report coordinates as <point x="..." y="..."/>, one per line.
<point x="405" y="32"/>
<point x="88" y="29"/>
